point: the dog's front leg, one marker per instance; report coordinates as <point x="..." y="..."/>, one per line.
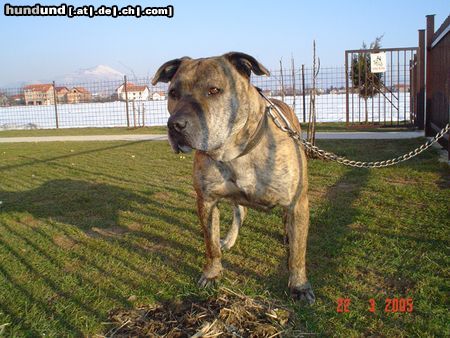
<point x="210" y="221"/>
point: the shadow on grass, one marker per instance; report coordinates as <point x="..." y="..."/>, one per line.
<point x="79" y="203"/>
<point x="65" y="207"/>
<point x="329" y="227"/>
<point x="96" y="150"/>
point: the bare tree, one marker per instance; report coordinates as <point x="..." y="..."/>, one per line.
<point x="311" y="133"/>
<point x="282" y="80"/>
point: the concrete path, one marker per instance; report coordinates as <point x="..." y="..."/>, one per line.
<point x="143" y="137"/>
<point x="161" y="137"/>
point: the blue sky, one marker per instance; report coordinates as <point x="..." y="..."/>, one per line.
<point x="41" y="48"/>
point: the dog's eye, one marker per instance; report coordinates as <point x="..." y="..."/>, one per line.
<point x="213" y="91"/>
<point x="173" y="93"/>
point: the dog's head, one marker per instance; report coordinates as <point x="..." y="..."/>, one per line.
<point x="208" y="98"/>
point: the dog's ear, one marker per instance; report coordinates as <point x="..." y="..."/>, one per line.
<point x="168" y="70"/>
<point x="246" y="64"/>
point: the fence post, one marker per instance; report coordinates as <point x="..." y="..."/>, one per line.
<point x="303" y="93"/>
<point x="282" y="80"/>
<point x="420" y="87"/>
<point x="293" y="84"/>
<point x="429" y="79"/>
<point x="347" y="103"/>
<point x="413" y="89"/>
<point x="55" y="102"/>
<point x="143" y="114"/>
<point x="126" y="100"/>
<point x="134" y="115"/>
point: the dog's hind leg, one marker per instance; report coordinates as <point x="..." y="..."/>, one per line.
<point x="239" y="213"/>
<point x="297" y="223"/>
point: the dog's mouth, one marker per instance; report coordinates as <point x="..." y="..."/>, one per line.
<point x="184" y="149"/>
<point x="179" y="145"/>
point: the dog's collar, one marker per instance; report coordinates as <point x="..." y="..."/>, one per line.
<point x="257" y="135"/>
<point x="287" y="125"/>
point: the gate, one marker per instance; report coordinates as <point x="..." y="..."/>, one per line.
<point x="378" y="85"/>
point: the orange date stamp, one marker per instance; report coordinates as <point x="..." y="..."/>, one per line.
<point x="390" y="305"/>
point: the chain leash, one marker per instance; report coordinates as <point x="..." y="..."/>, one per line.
<point x="340" y="159"/>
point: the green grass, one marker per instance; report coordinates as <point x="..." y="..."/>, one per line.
<point x="326" y="127"/>
<point x="358" y="127"/>
<point x="82" y="131"/>
<point x="84" y="226"/>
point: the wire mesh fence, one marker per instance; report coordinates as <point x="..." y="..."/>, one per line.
<point x="119" y="103"/>
<point x="136" y="103"/>
<point x="382" y="97"/>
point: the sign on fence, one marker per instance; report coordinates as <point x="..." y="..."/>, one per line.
<point x="378" y="62"/>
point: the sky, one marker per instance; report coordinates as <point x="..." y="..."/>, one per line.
<point x="36" y="48"/>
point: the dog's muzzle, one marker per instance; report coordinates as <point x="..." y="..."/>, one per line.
<point x="179" y="125"/>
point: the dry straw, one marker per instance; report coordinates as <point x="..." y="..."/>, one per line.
<point x="229" y="314"/>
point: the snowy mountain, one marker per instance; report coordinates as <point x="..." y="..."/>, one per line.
<point x="100" y="73"/>
<point x="97" y="73"/>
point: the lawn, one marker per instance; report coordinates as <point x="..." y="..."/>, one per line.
<point x="83" y="131"/>
<point x="87" y="227"/>
<point x="326" y="127"/>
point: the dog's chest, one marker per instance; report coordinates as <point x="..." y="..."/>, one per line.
<point x="249" y="187"/>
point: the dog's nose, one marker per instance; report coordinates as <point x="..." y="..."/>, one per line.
<point x="177" y="123"/>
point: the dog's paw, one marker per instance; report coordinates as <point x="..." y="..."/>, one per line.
<point x="303" y="293"/>
<point x="205" y="282"/>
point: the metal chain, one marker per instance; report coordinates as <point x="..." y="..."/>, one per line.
<point x="342" y="160"/>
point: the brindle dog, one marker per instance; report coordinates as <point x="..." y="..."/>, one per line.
<point x="241" y="155"/>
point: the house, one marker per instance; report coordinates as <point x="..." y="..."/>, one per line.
<point x="340" y="90"/>
<point x="3" y="99"/>
<point x="17" y="100"/>
<point x="61" y="94"/>
<point x="78" y="95"/>
<point x="158" y="96"/>
<point x="134" y="92"/>
<point x="401" y="87"/>
<point x="39" y="94"/>
<point x="317" y="91"/>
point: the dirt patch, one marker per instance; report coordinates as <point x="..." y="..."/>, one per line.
<point x="114" y="231"/>
<point x="316" y="194"/>
<point x="63" y="242"/>
<point x="163" y="196"/>
<point x="342" y="188"/>
<point x="71" y="267"/>
<point x="229" y="314"/>
<point x="358" y="226"/>
<point x="399" y="285"/>
<point x="31" y="221"/>
<point x="134" y="226"/>
<point x="400" y="181"/>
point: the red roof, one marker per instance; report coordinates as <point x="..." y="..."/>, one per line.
<point x="81" y="90"/>
<point x="59" y="89"/>
<point x="131" y="87"/>
<point x="134" y="88"/>
<point x="39" y="87"/>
